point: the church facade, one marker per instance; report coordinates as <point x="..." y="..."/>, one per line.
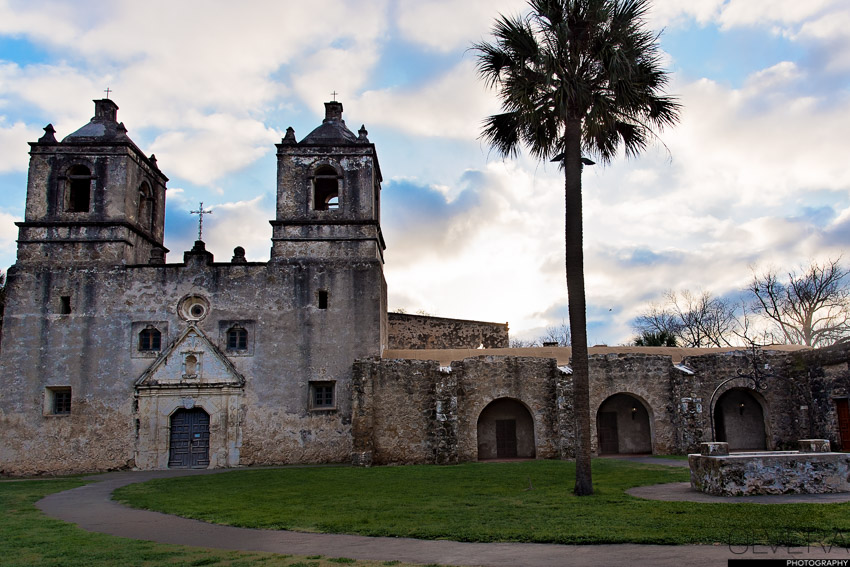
<point x="114" y="358"/>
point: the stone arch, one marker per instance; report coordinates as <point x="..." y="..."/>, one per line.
<point x="78" y="190"/>
<point x="740" y="419"/>
<point x="506" y="430"/>
<point x="327" y="181"/>
<point x="146" y="214"/>
<point x="189" y="439"/>
<point x="624" y="425"/>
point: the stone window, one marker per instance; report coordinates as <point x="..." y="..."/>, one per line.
<point x="325" y="189"/>
<point x="237" y="338"/>
<point x="323" y="299"/>
<point x="322" y="395"/>
<point x="193" y="308"/>
<point x="57" y="400"/>
<point x="150" y="339"/>
<point x="65" y="305"/>
<point x="147" y="338"/>
<point x="78" y="197"/>
<point x="147" y="208"/>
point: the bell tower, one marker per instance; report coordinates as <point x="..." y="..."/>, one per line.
<point x="328" y="194"/>
<point x="93" y="198"/>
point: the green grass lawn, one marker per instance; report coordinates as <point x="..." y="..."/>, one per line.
<point x="484" y="502"/>
<point x="30" y="539"/>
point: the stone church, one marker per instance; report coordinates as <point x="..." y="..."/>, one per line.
<point x="112" y="357"/>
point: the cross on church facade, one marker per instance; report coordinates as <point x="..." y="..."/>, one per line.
<point x="107" y="91"/>
<point x="333" y="94"/>
<point x="200" y="212"/>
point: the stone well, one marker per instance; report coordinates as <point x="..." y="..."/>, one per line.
<point x="812" y="470"/>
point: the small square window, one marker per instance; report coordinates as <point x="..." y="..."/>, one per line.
<point x="322" y="395"/>
<point x="65" y="305"/>
<point x="323" y="299"/>
<point x="57" y="400"/>
<point x="237" y="338"/>
<point x="150" y="339"/>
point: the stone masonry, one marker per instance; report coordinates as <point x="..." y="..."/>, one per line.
<point x="424" y="331"/>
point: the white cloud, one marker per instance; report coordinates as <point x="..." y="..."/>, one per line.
<point x="13" y="145"/>
<point x="664" y="13"/>
<point x="212" y="146"/>
<point x="783" y="12"/>
<point x="448" y="25"/>
<point x="8" y="233"/>
<point x="451" y="106"/>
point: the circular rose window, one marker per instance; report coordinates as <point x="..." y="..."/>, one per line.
<point x="193" y="308"/>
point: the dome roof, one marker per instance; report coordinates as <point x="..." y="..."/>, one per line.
<point x="333" y="130"/>
<point x="103" y="127"/>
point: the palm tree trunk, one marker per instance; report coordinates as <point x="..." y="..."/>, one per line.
<point x="575" y="297"/>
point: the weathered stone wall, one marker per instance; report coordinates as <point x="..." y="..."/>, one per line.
<point x="93" y="350"/>
<point x="644" y="378"/>
<point x="411" y="411"/>
<point x="531" y="381"/>
<point x="424" y="332"/>
<point x="395" y="410"/>
<point x="661" y="406"/>
<point x="779" y="397"/>
<point x="825" y="375"/>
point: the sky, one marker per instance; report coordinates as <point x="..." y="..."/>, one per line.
<point x="756" y="175"/>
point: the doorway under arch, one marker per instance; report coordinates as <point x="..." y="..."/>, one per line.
<point x="189" y="441"/>
<point x="739" y="420"/>
<point x="622" y="426"/>
<point x="506" y="431"/>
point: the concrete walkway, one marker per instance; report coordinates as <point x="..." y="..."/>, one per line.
<point x="91" y="508"/>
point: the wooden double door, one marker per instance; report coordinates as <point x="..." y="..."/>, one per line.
<point x="189" y="446"/>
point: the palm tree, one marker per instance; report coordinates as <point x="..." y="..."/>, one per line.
<point x="573" y="76"/>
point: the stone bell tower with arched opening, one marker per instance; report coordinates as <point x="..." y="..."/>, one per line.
<point x="93" y="198"/>
<point x="328" y="194"/>
<point x="328" y="220"/>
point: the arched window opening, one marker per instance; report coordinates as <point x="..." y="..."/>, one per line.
<point x="150" y="339"/>
<point x="79" y="189"/>
<point x="326" y="189"/>
<point x="147" y="209"/>
<point x="237" y="338"/>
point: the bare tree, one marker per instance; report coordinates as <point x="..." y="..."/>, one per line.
<point x="695" y="320"/>
<point x="523" y="343"/>
<point x="559" y="334"/>
<point x="809" y="308"/>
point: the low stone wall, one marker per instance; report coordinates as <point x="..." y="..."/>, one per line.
<point x="425" y="332"/>
<point x="769" y="472"/>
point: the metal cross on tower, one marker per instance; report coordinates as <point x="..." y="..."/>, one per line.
<point x="200" y="212"/>
<point x="333" y="94"/>
<point x="107" y="91"/>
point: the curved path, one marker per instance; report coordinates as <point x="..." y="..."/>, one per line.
<point x="91" y="508"/>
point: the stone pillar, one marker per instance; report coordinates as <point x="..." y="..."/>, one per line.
<point x="362" y="419"/>
<point x="564" y="415"/>
<point x="714" y="449"/>
<point x="445" y="391"/>
<point x="814" y="445"/>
